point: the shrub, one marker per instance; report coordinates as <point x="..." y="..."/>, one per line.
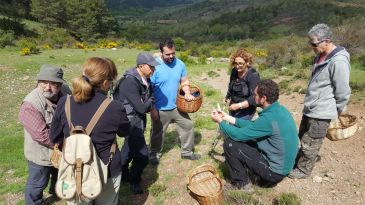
<point x="184" y="56"/>
<point x="81" y="45"/>
<point x="27" y="43"/>
<point x="202" y="59"/>
<point x="7" y="38"/>
<point x="287" y="199"/>
<point x="179" y="44"/>
<point x="56" y="38"/>
<point x="25" y="52"/>
<point x="156" y="189"/>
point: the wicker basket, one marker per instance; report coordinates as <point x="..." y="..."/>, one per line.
<point x="189" y="106"/>
<point x="342" y="128"/>
<point x="205" y="185"/>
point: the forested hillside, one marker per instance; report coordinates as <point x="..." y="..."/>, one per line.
<point x="233" y="20"/>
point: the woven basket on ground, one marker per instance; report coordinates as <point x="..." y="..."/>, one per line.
<point x="205" y="185"/>
<point x="189" y="106"/>
<point x="342" y="128"/>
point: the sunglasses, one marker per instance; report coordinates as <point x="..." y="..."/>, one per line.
<point x="239" y="63"/>
<point x="316" y="44"/>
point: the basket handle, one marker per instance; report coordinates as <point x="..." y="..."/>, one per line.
<point x="190" y="85"/>
<point x="204" y="179"/>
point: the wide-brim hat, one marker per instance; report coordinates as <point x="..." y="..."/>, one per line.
<point x="146" y="58"/>
<point x="51" y="73"/>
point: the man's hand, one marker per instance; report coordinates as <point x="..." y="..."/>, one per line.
<point x="217" y="116"/>
<point x="189" y="97"/>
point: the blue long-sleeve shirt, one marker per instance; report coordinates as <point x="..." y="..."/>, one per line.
<point x="275" y="133"/>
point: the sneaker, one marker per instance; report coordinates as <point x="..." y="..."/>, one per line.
<point x="136" y="189"/>
<point x="154" y="158"/>
<point x="191" y="157"/>
<point x="297" y="174"/>
<point x="239" y="186"/>
<point x="154" y="161"/>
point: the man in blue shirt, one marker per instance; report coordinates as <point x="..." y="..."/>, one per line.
<point x="168" y="76"/>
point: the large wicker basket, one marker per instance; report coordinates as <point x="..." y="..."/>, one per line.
<point x="205" y="185"/>
<point x="189" y="106"/>
<point x="342" y="128"/>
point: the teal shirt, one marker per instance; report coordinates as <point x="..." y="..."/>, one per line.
<point x="275" y="133"/>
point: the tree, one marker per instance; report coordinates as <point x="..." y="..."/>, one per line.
<point x="52" y="13"/>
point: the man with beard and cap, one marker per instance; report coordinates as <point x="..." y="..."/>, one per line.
<point x="134" y="91"/>
<point x="36" y="114"/>
<point x="266" y="147"/>
<point x="168" y="76"/>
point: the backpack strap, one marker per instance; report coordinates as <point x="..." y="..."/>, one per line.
<point x="95" y="119"/>
<point x="68" y="113"/>
<point x="97" y="115"/>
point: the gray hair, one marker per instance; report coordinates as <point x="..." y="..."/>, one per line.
<point x="321" y="31"/>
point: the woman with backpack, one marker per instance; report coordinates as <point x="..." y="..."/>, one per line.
<point x="89" y="93"/>
<point x="242" y="83"/>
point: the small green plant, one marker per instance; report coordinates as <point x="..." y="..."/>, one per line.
<point x="239" y="197"/>
<point x="284" y="85"/>
<point x="287" y="199"/>
<point x="156" y="189"/>
<point x="213" y="74"/>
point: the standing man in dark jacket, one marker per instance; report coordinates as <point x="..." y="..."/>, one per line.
<point x="327" y="95"/>
<point x="134" y="91"/>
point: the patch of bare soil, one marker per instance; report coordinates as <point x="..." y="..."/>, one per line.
<point x="338" y="178"/>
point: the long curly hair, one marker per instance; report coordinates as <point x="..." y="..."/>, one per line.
<point x="243" y="53"/>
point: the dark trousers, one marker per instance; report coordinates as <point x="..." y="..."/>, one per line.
<point x="242" y="157"/>
<point x="38" y="177"/>
<point x="134" y="150"/>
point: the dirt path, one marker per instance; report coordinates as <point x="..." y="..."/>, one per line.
<point x="339" y="178"/>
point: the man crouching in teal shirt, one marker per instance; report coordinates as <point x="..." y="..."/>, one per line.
<point x="266" y="147"/>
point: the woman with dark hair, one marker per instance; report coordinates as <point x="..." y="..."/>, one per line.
<point x="242" y="83"/>
<point x="89" y="91"/>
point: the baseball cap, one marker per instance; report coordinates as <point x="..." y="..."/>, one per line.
<point x="51" y="73"/>
<point x="146" y="58"/>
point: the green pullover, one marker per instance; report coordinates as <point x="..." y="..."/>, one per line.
<point x="275" y="133"/>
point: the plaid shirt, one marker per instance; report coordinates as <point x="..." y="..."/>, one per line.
<point x="35" y="124"/>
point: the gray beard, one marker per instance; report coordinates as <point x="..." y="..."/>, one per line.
<point x="50" y="96"/>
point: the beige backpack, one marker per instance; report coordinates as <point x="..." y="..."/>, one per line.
<point x="81" y="173"/>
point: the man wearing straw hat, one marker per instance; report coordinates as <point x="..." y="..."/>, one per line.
<point x="327" y="95"/>
<point x="36" y="113"/>
<point x="266" y="147"/>
<point x="168" y="76"/>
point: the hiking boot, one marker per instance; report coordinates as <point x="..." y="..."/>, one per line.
<point x="191" y="157"/>
<point x="154" y="158"/>
<point x="136" y="189"/>
<point x="297" y="174"/>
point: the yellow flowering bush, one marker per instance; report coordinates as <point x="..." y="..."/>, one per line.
<point x="80" y="45"/>
<point x="46" y="47"/>
<point x="112" y="44"/>
<point x="261" y="53"/>
<point x="25" y="51"/>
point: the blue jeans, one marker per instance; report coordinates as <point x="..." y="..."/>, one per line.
<point x="38" y="177"/>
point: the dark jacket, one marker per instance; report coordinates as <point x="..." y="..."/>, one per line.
<point x="113" y="121"/>
<point x="135" y="95"/>
<point x="240" y="89"/>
